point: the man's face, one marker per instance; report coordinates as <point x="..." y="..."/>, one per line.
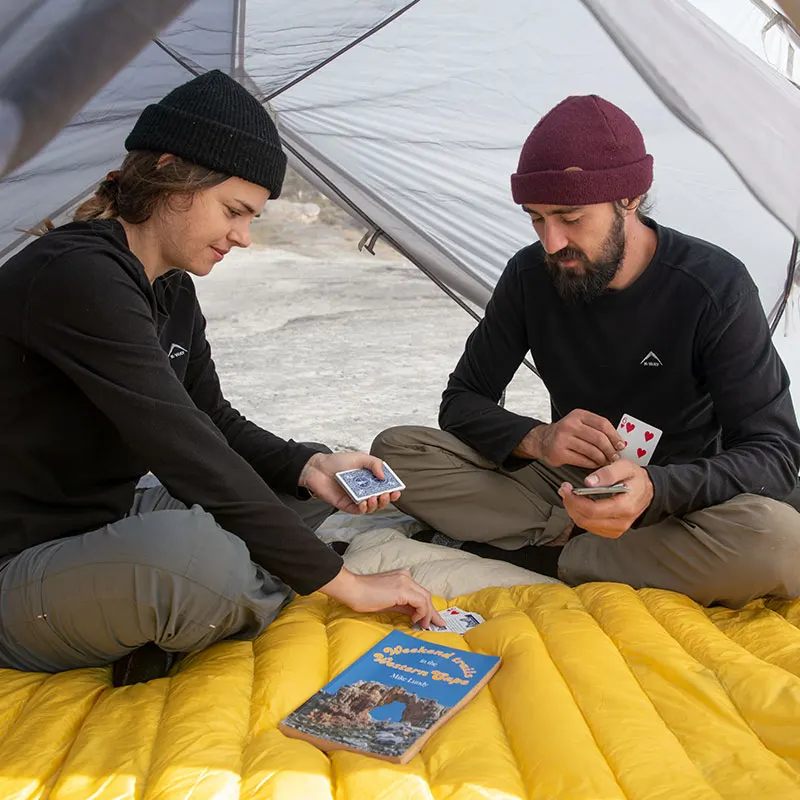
<point x="584" y="246"/>
<point x="197" y="234"/>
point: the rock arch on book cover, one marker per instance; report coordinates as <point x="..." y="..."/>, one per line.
<point x="355" y="704"/>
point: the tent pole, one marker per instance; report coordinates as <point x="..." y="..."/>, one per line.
<point x="190" y="66"/>
<point x="340" y="52"/>
<point x="234" y="40"/>
<point x="237" y="46"/>
<point x="780" y="306"/>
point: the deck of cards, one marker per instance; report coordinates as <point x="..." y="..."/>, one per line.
<point x="640" y="439"/>
<point x="456" y="620"/>
<point x="361" y="484"/>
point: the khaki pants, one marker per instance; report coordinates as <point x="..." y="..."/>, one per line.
<point x="165" y="573"/>
<point x="730" y="554"/>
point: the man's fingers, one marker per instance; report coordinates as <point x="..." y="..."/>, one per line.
<point x="600" y="441"/>
<point x="618" y="472"/>
<point x="594" y="455"/>
<point x="602" y="517"/>
<point x="604" y="426"/>
<point x="598" y="510"/>
<point x="576" y="459"/>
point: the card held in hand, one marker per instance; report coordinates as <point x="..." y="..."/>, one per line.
<point x="361" y="484"/>
<point x="640" y="439"/>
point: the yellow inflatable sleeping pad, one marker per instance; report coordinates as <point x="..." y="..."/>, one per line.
<point x="604" y="692"/>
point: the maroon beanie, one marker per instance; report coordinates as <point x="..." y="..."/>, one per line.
<point x="583" y="151"/>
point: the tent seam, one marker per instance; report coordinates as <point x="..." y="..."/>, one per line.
<point x="308" y="73"/>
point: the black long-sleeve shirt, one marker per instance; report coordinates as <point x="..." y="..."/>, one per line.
<point x="686" y="348"/>
<point x="104" y="377"/>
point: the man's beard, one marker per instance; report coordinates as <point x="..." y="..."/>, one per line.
<point x="576" y="284"/>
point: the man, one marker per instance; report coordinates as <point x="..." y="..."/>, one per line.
<point x="621" y="316"/>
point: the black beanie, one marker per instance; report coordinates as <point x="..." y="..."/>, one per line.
<point x="216" y="123"/>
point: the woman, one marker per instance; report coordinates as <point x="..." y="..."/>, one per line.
<point x="106" y="374"/>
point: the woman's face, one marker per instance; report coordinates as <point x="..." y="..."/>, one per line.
<point x="196" y="236"/>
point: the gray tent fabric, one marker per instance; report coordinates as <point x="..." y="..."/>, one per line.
<point x="92" y="144"/>
<point x="427" y="154"/>
<point x="412" y="114"/>
<point x="741" y="108"/>
<point x="61" y="54"/>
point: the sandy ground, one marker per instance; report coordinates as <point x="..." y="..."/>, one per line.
<point x="317" y="341"/>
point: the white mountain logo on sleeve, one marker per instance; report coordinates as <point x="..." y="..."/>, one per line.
<point x="177" y="350"/>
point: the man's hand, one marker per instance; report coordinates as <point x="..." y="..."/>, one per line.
<point x="613" y="516"/>
<point x="384" y="591"/>
<point x="318" y="477"/>
<point x="581" y="439"/>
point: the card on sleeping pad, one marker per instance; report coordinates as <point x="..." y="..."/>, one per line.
<point x="456" y="620"/>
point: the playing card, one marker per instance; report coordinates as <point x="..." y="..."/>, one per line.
<point x="640" y="439"/>
<point x="361" y="484"/>
<point x="456" y="620"/>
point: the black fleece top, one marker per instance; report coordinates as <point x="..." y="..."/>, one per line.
<point x="104" y="377"/>
<point x="686" y="348"/>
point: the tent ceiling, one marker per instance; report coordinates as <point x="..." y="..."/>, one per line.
<point x="420" y="124"/>
<point x="54" y="56"/>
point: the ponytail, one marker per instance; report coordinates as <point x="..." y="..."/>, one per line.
<point x="139" y="187"/>
<point x="142" y="184"/>
<point x="103" y="204"/>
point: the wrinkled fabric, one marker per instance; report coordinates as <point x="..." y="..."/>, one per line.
<point x="604" y="692"/>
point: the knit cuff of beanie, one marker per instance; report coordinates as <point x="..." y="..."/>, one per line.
<point x="576" y="187"/>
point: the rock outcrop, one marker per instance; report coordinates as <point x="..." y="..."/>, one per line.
<point x="354" y="705"/>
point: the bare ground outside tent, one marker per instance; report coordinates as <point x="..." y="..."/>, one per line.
<point x="319" y="341"/>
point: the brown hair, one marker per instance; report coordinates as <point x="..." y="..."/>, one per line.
<point x="642" y="204"/>
<point x="141" y="186"/>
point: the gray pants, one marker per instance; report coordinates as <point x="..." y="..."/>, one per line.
<point x="730" y="554"/>
<point x="165" y="574"/>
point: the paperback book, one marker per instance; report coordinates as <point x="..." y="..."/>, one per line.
<point x="392" y="699"/>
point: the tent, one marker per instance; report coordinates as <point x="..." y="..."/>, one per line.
<point x="411" y="114"/>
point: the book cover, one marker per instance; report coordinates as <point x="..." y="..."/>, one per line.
<point x="391" y="699"/>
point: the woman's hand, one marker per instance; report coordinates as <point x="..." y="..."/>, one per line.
<point x="384" y="591"/>
<point x="318" y="476"/>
